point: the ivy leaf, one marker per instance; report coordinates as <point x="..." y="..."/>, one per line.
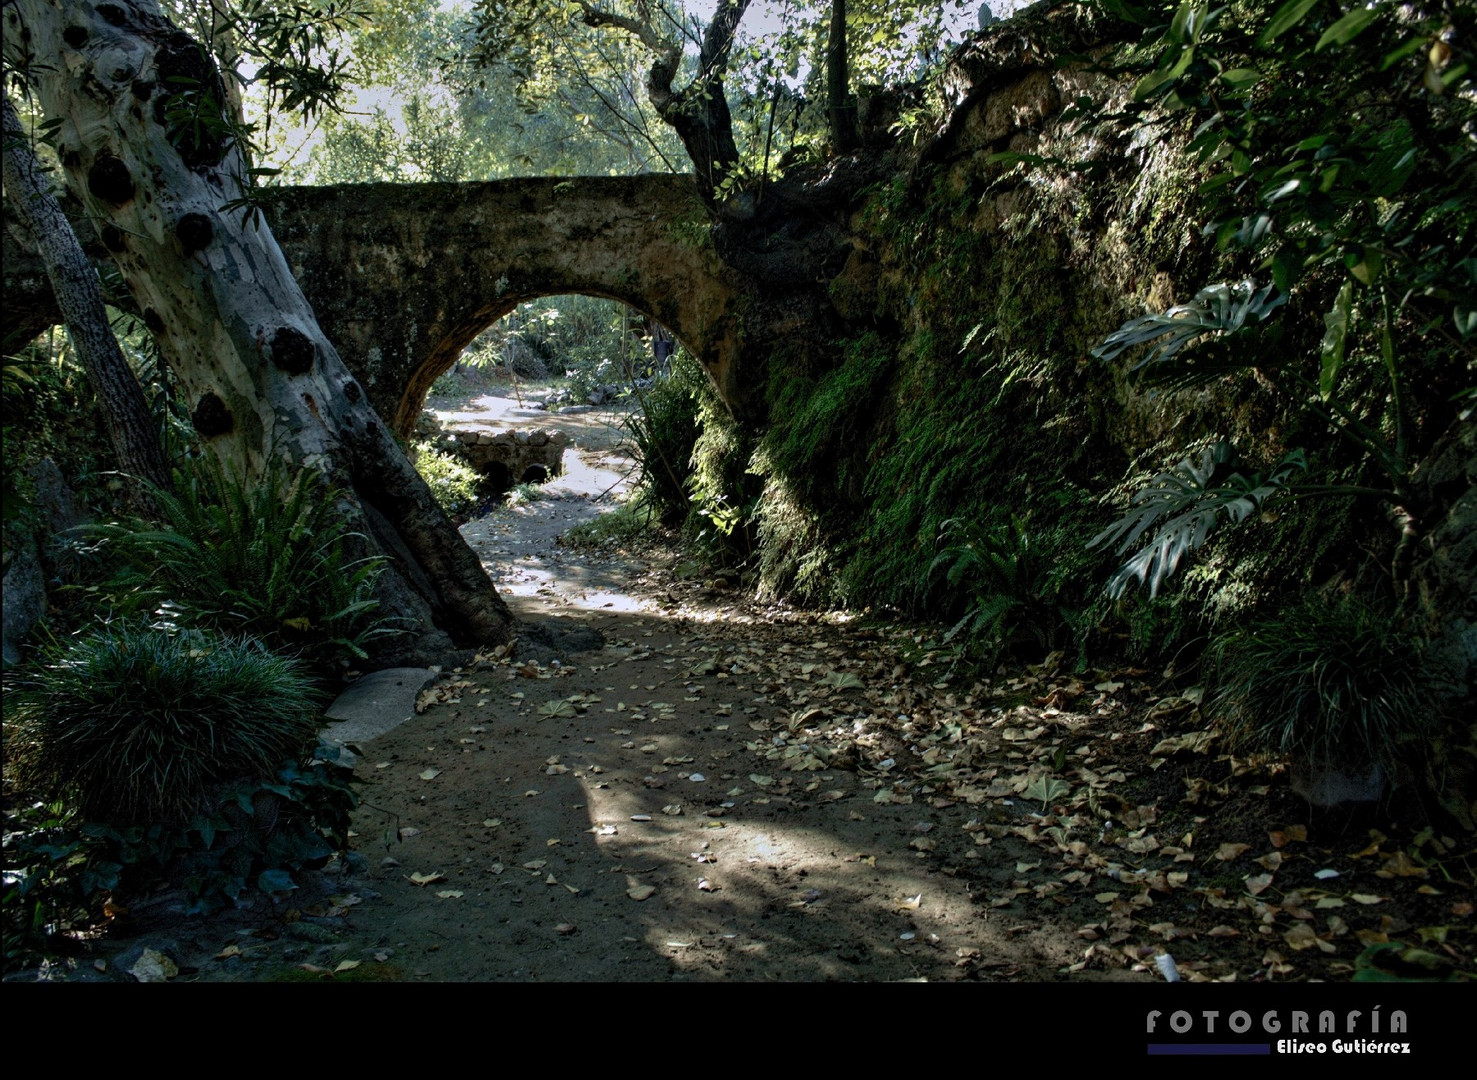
<point x="277" y="880"/>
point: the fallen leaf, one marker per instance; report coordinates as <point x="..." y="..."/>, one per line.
<point x="1368" y="898"/>
<point x="1270" y="861"/>
<point x="450" y="894"/>
<point x="1197" y="742"/>
<point x="423" y="880"/>
<point x="153" y="966"/>
<point x="430" y="774"/>
<point x="1227" y="852"/>
<point x="1047" y="789"/>
<point x="641" y="892"/>
<point x="565" y="928"/>
<point x="1256" y="884"/>
<point x="1290" y="835"/>
<point x="1400" y="865"/>
<point x="909" y="903"/>
<point x="1303" y="936"/>
<point x="843" y="680"/>
<point x="347" y="965"/>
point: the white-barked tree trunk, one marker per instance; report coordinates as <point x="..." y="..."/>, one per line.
<point x="144" y="146"/>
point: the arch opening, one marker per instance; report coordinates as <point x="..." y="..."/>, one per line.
<point x="591" y="345"/>
<point x="544" y="359"/>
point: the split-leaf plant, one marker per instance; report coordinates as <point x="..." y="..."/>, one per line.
<point x="1335" y="146"/>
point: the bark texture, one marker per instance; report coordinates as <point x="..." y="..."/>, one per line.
<point x="131" y="428"/>
<point x="145" y="148"/>
<point x="840" y="105"/>
<point x="698" y="113"/>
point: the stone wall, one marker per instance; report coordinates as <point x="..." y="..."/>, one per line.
<point x="508" y="458"/>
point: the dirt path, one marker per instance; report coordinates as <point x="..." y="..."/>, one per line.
<point x="725" y="791"/>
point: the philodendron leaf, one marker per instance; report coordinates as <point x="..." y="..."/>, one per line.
<point x="1178" y="509"/>
<point x="1216" y="309"/>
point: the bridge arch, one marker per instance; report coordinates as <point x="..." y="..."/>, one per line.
<point x="448" y="352"/>
<point x="403" y="277"/>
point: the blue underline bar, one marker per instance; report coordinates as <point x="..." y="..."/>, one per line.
<point x="1216" y="1049"/>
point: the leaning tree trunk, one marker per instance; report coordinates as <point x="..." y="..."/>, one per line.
<point x="79" y="294"/>
<point x="144" y="146"/>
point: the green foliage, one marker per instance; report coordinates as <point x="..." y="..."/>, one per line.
<point x="453" y="484"/>
<point x="587" y="338"/>
<point x="266" y="558"/>
<point x="526" y="493"/>
<point x="51" y="877"/>
<point x="1356" y="204"/>
<point x="1336" y="678"/>
<point x="1013" y="596"/>
<point x="50" y="411"/>
<point x="131" y="724"/>
<point x="724" y="492"/>
<point x="1182" y="506"/>
<point x="246" y="834"/>
<point x="59" y="869"/>
<point x="824" y="418"/>
<point x="629" y="520"/>
<point x="665" y="431"/>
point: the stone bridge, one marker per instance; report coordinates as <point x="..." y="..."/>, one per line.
<point x="403" y="277"/>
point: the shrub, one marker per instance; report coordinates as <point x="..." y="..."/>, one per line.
<point x="136" y="725"/>
<point x="1013" y="597"/>
<point x="263" y="558"/>
<point x="253" y="832"/>
<point x="1332" y="679"/>
<point x="453" y="484"/>
<point x="665" y="430"/>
